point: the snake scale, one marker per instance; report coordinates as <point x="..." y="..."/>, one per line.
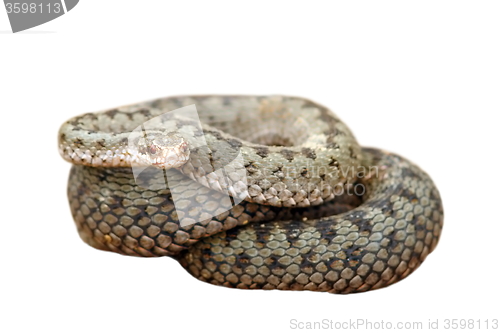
<point x="300" y="205"/>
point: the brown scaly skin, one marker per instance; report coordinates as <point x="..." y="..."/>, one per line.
<point x="359" y="244"/>
<point x="279" y="150"/>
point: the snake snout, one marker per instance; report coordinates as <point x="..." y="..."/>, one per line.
<point x="163" y="150"/>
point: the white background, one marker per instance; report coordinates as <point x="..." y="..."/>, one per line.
<point x="419" y="78"/>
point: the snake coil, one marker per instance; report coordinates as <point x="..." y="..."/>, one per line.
<point x="315" y="212"/>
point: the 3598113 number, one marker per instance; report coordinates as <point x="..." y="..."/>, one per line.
<point x="470" y="324"/>
<point x="32" y="8"/>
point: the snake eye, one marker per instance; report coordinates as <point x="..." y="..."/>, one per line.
<point x="152" y="150"/>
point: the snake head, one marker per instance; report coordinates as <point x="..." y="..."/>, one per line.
<point x="162" y="150"/>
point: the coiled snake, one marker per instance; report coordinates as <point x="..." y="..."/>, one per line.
<point x="308" y="208"/>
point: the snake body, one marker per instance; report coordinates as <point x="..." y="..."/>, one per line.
<point x="292" y="231"/>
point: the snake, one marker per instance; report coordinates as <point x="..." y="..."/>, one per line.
<point x="250" y="192"/>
